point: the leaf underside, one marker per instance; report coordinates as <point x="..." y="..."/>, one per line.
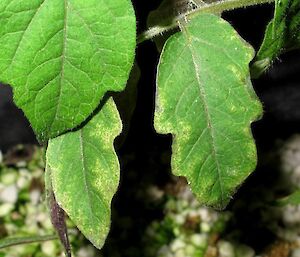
<point x="205" y="99"/>
<point x="62" y="56"/>
<point x="85" y="172"/>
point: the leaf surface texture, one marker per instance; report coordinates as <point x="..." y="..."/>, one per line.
<point x="205" y="99"/>
<point x="62" y="56"/>
<point x="85" y="172"/>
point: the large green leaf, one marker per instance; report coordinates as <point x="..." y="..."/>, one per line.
<point x="205" y="99"/>
<point x="62" y="56"/>
<point x="282" y="33"/>
<point x="85" y="172"/>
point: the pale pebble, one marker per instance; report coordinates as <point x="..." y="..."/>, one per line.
<point x="295" y="253"/>
<point x="225" y="249"/>
<point x="176" y="245"/>
<point x="9" y="194"/>
<point x="5" y="209"/>
<point x="199" y="240"/>
<point x="244" y="251"/>
<point x="22" y="182"/>
<point x="86" y="251"/>
<point x="9" y="178"/>
<point x="49" y="248"/>
<point x="180" y="253"/>
<point x="21" y="164"/>
<point x="205" y="227"/>
<point x="179" y="219"/>
<point x="35" y="196"/>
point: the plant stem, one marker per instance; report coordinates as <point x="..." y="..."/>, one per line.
<point x="215" y="8"/>
<point x="13" y="241"/>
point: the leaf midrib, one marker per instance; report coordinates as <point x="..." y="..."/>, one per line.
<point x="84" y="169"/>
<point x="63" y="59"/>
<point x="206" y="110"/>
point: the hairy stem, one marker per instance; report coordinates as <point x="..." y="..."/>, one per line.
<point x="215" y="8"/>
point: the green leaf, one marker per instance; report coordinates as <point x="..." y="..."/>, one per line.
<point x="205" y="99"/>
<point x="85" y="172"/>
<point x="282" y="34"/>
<point x="13" y="241"/>
<point x="293" y="199"/>
<point x="62" y="56"/>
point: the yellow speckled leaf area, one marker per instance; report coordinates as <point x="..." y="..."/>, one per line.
<point x="206" y="101"/>
<point x="85" y="172"/>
